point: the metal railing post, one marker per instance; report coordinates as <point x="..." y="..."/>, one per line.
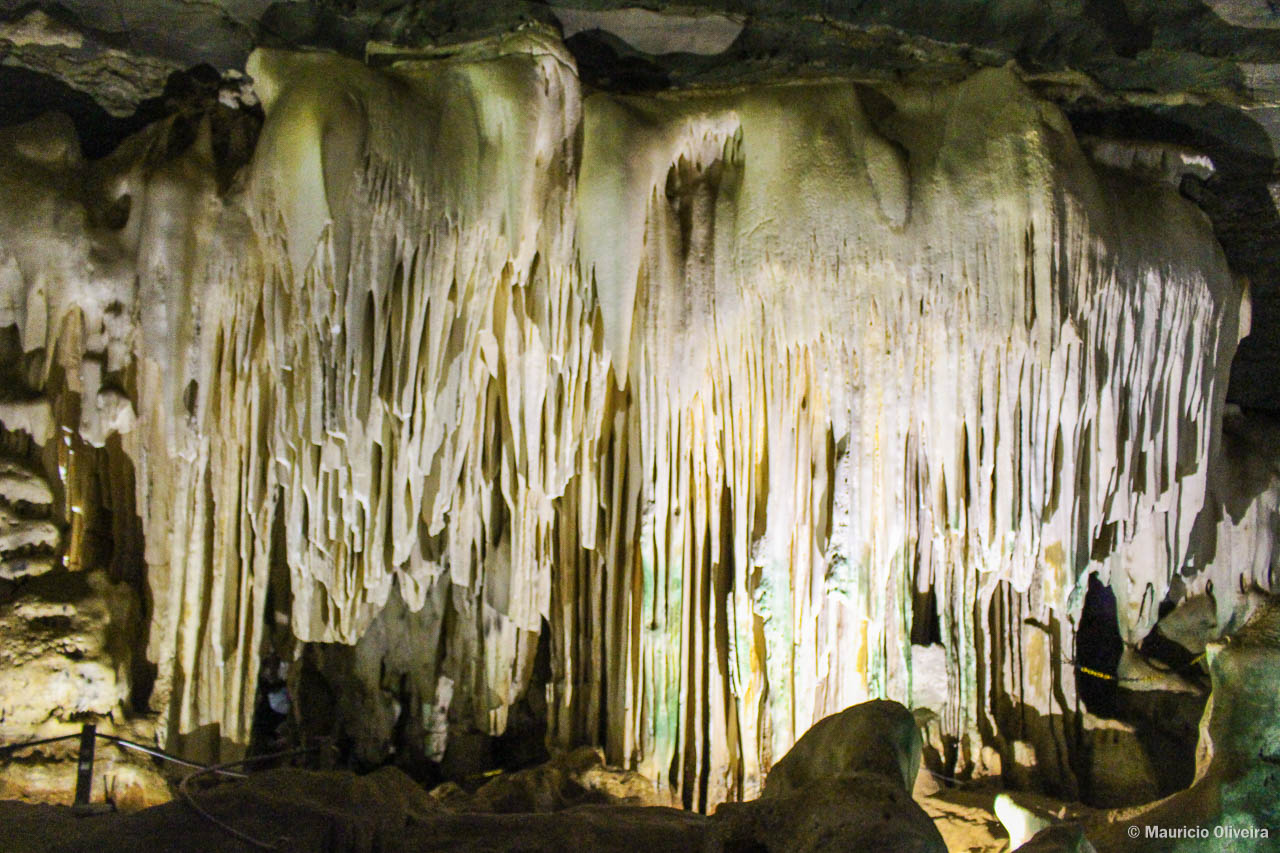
<point x="84" y="769"/>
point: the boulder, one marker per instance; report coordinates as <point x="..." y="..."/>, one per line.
<point x="844" y="786"/>
<point x="845" y="813"/>
<point x="579" y="777"/>
<point x="877" y="737"/>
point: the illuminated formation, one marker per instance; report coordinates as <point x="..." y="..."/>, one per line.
<point x="714" y="388"/>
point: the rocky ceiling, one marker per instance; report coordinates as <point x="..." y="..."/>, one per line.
<point x="1199" y="74"/>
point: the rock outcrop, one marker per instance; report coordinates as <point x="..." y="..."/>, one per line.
<point x="65" y="654"/>
<point x="1232" y="803"/>
<point x="845" y="785"/>
<point x="878" y="737"/>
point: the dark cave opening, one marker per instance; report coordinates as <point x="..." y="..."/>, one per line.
<point x="524" y="742"/>
<point x="1098" y="650"/>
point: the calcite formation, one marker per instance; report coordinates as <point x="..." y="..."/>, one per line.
<point x="29" y="540"/>
<point x="754" y="403"/>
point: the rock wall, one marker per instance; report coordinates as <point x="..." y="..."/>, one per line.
<point x="756" y="402"/>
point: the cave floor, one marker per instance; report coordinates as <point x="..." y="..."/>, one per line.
<point x="336" y="812"/>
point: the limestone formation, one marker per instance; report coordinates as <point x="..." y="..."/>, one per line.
<point x="66" y="657"/>
<point x="874" y="737"/>
<point x="468" y="395"/>
<point x="65" y="654"/>
<point x="30" y="541"/>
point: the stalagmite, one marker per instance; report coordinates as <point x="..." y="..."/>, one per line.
<point x="708" y="390"/>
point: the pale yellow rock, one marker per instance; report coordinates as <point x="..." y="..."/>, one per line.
<point x="129" y="784"/>
<point x="64" y="654"/>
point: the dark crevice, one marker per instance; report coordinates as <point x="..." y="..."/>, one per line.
<point x="926" y="627"/>
<point x="1098" y="650"/>
<point x="524" y="742"/>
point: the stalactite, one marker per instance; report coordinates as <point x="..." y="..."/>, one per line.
<point x="709" y="385"/>
<point x="972" y="385"/>
<point x="408" y="378"/>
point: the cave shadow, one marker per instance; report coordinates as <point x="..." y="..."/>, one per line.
<point x="1239" y="204"/>
<point x="1164" y="723"/>
<point x="25" y="95"/>
<point x="1059" y="768"/>
<point x="1167" y="725"/>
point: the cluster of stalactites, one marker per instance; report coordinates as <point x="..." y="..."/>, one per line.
<point x="424" y="373"/>
<point x="708" y="386"/>
<point x="711" y="396"/>
<point x="861" y="363"/>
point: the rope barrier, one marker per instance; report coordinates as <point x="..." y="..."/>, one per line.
<point x="167" y="756"/>
<point x="189" y="798"/>
<point x="10" y="748"/>
<point x="1106" y="676"/>
<point x="953" y="780"/>
<point x="222" y="770"/>
<point x="14" y="747"/>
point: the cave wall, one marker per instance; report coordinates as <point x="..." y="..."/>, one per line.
<point x="713" y="388"/>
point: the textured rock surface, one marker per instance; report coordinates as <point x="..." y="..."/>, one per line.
<point x="313" y="810"/>
<point x="712" y="391"/>
<point x="856" y="812"/>
<point x="120" y="777"/>
<point x="30" y="542"/>
<point x="575" y="778"/>
<point x="734" y="405"/>
<point x="65" y="654"/>
<point x="878" y="737"/>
